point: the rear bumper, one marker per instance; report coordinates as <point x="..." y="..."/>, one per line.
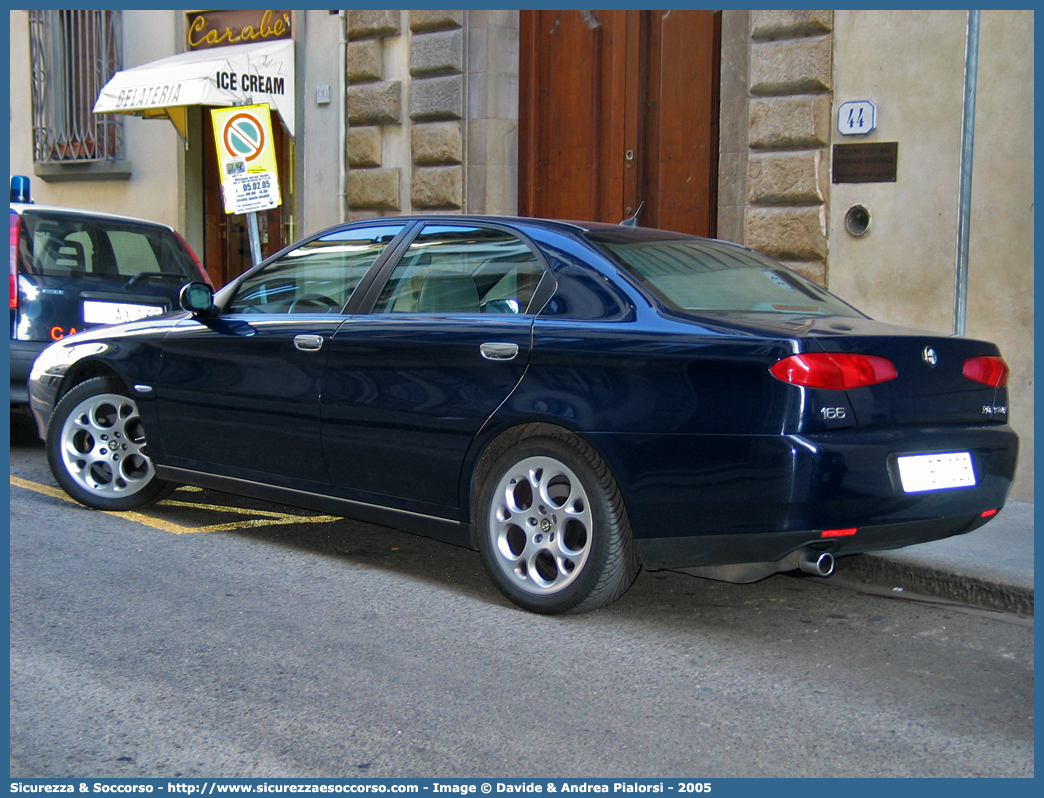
<point x="715" y="500"/>
<point x="689" y="552"/>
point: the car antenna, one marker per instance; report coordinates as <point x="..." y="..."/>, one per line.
<point x="633" y="221"/>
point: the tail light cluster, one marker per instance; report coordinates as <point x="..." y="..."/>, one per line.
<point x="199" y="266"/>
<point x="833" y="370"/>
<point x="838" y="371"/>
<point x="992" y="371"/>
<point x="16" y="226"/>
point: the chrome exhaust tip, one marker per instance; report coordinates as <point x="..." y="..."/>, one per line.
<point x="817" y="563"/>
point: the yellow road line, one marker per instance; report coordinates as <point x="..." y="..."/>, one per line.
<point x="269" y="518"/>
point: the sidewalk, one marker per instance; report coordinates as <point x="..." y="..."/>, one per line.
<point x="991" y="567"/>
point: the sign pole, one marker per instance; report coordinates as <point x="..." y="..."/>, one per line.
<point x="255" y="239"/>
<point x="249" y="182"/>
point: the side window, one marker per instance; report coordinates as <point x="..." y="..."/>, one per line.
<point x="317" y="277"/>
<point x="458" y="269"/>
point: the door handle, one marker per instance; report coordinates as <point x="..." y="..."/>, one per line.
<point x="495" y="350"/>
<point x="308" y="343"/>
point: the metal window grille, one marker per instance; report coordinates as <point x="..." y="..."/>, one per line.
<point x="74" y="54"/>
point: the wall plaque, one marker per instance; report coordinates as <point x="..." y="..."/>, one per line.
<point x="865" y="163"/>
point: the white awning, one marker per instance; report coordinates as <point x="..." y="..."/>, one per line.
<point x="242" y="74"/>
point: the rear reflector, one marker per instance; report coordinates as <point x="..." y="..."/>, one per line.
<point x="992" y="371"/>
<point x="833" y="370"/>
<point x="838" y="533"/>
<point x="989" y="513"/>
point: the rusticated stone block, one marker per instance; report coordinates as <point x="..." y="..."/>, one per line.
<point x="437" y="98"/>
<point x="786" y="178"/>
<point x="776" y="24"/>
<point x="814" y="270"/>
<point x="375" y="103"/>
<point x="788" y="233"/>
<point x="365" y="61"/>
<point x="360" y="216"/>
<point x="797" y="66"/>
<point x="492" y="48"/>
<point x="784" y="123"/>
<point x="425" y="20"/>
<point x="373" y="188"/>
<point x="437" y="143"/>
<point x="440" y="53"/>
<point x="437" y="187"/>
<point x="364" y="147"/>
<point x="502" y="18"/>
<point x="370" y="24"/>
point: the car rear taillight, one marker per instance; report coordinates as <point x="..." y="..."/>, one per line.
<point x="199" y="266"/>
<point x="16" y="226"/>
<point x="834" y="371"/>
<point x="992" y="371"/>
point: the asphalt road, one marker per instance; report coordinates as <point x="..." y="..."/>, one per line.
<point x="274" y="645"/>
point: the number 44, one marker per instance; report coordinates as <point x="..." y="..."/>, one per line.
<point x="856" y="118"/>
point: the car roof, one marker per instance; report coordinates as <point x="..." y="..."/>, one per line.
<point x="22" y="207"/>
<point x="561" y="225"/>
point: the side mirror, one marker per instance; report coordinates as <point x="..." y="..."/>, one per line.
<point x="197" y="298"/>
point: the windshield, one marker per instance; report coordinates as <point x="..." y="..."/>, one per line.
<point x="701" y="275"/>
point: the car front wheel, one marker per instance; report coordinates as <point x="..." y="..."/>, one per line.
<point x="553" y="530"/>
<point x="97" y="450"/>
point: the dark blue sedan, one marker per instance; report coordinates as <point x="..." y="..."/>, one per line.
<point x="576" y="401"/>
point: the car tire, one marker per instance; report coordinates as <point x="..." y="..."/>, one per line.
<point x="97" y="450"/>
<point x="552" y="527"/>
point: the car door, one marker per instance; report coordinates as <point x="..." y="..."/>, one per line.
<point x="412" y="382"/>
<point x="238" y="394"/>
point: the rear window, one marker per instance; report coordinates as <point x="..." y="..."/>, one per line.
<point x="700" y="275"/>
<point x="79" y="247"/>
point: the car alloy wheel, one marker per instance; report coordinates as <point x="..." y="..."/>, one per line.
<point x="540" y="522"/>
<point x="553" y="530"/>
<point x="97" y="449"/>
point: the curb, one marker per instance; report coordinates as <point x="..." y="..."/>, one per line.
<point x="883" y="571"/>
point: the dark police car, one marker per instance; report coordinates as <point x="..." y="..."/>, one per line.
<point x="74" y="269"/>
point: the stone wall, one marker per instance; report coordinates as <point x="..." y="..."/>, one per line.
<point x="432" y="111"/>
<point x="374" y="104"/>
<point x="788" y="134"/>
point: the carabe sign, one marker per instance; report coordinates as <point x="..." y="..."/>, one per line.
<point x="220" y="28"/>
<point x="866" y="163"/>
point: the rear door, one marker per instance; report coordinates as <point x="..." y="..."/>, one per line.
<point x="412" y="382"/>
<point x="239" y="394"/>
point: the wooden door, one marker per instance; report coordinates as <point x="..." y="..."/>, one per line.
<point x="619" y="108"/>
<point x="226" y="243"/>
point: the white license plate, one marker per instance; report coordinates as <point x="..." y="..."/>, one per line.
<point x="95" y="312"/>
<point x="923" y="472"/>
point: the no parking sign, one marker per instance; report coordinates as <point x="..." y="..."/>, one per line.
<point x="246" y="158"/>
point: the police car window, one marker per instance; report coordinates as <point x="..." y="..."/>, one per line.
<point x="84" y="247"/>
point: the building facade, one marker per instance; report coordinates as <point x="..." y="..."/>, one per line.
<point x="722" y="123"/>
